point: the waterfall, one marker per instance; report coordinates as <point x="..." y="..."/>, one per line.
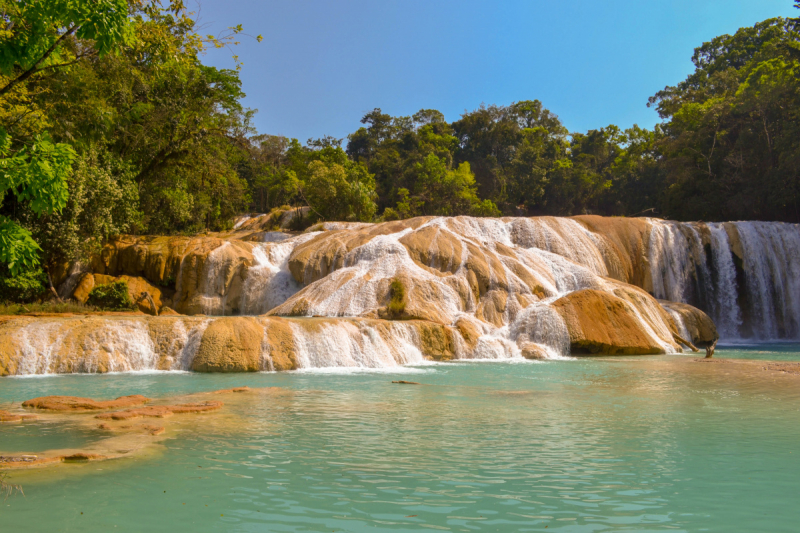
<point x="752" y="296"/>
<point x="726" y="307"/>
<point x="346" y="344"/>
<point x="213" y="298"/>
<point x="673" y="262"/>
<point x="561" y="236"/>
<point x="113" y="344"/>
<point x="541" y="324"/>
<point x="772" y="274"/>
<point x="474" y="288"/>
<point x="269" y="282"/>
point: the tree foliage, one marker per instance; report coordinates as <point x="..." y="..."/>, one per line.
<point x="36" y="176"/>
<point x="731" y="138"/>
<point x="110" y="123"/>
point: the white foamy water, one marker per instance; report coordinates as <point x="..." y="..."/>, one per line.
<point x="759" y="299"/>
<point x="754" y="296"/>
<point x="541" y="324"/>
<point x="346" y="344"/>
<point x="726" y="306"/>
<point x="269" y="282"/>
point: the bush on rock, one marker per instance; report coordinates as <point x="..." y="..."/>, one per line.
<point x="112" y="295"/>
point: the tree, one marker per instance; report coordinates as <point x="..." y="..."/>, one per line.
<point x="35" y="39"/>
<point x="512" y="150"/>
<point x="36" y="34"/>
<point x="442" y="191"/>
<point x="337" y="188"/>
<point x="731" y="143"/>
<point x="103" y="200"/>
<point x="36" y="175"/>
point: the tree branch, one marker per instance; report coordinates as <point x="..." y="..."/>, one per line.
<point x="32" y="70"/>
<point x="68" y="63"/>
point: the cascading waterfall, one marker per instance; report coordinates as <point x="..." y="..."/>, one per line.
<point x="114" y="344"/>
<point x="726" y="307"/>
<point x="269" y="282"/>
<point x="47" y="346"/>
<point x="772" y="274"/>
<point x="672" y="261"/>
<point x="755" y="296"/>
<point x="345" y="345"/>
<point x="746" y="275"/>
<point x="214" y="299"/>
<point x="542" y="325"/>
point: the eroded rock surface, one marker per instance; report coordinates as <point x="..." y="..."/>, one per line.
<point x="128" y="431"/>
<point x="74" y="403"/>
<point x="469" y="288"/>
<point x="161" y="411"/>
<point x="602" y="323"/>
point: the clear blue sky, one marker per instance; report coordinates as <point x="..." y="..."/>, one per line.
<point x="323" y="64"/>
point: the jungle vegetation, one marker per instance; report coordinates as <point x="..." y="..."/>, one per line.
<point x="110" y="123"/>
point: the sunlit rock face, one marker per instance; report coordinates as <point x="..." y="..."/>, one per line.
<point x="51" y="345"/>
<point x="472" y="288"/>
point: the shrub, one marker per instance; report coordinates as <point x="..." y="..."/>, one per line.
<point x="25" y="287"/>
<point x="397" y="303"/>
<point x="112" y="295"/>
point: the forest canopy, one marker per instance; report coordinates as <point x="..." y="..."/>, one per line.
<point x="111" y="123"/>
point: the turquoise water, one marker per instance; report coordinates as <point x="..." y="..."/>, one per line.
<point x="573" y="446"/>
<point x="778" y="351"/>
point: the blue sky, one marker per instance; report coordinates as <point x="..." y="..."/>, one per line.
<point x="323" y="64"/>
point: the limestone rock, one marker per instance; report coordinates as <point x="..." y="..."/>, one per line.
<point x="434" y="247"/>
<point x="195" y="268"/>
<point x="231" y="344"/>
<point x="701" y="329"/>
<point x="136" y="287"/>
<point x="600" y="323"/>
<point x="533" y="351"/>
<point x="281" y="344"/>
<point x="623" y="242"/>
<point x="74" y="403"/>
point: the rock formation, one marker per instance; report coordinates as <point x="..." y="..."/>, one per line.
<point x="472" y="288"/>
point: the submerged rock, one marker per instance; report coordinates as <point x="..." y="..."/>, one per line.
<point x="6" y="417"/>
<point x="74" y="403"/>
<point x="161" y="411"/>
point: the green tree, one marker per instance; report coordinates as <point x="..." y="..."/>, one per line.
<point x="731" y="143"/>
<point x="442" y="191"/>
<point x="103" y="200"/>
<point x="36" y="175"/>
<point x="37" y="38"/>
<point x="337" y="188"/>
<point x="513" y="150"/>
<point x="36" y="34"/>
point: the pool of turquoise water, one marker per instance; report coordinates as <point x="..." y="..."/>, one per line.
<point x="573" y="446"/>
<point x="776" y="351"/>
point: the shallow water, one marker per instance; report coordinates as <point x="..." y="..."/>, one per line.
<point x="776" y="351"/>
<point x="574" y="446"/>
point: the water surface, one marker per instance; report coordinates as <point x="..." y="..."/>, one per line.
<point x="575" y="446"/>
